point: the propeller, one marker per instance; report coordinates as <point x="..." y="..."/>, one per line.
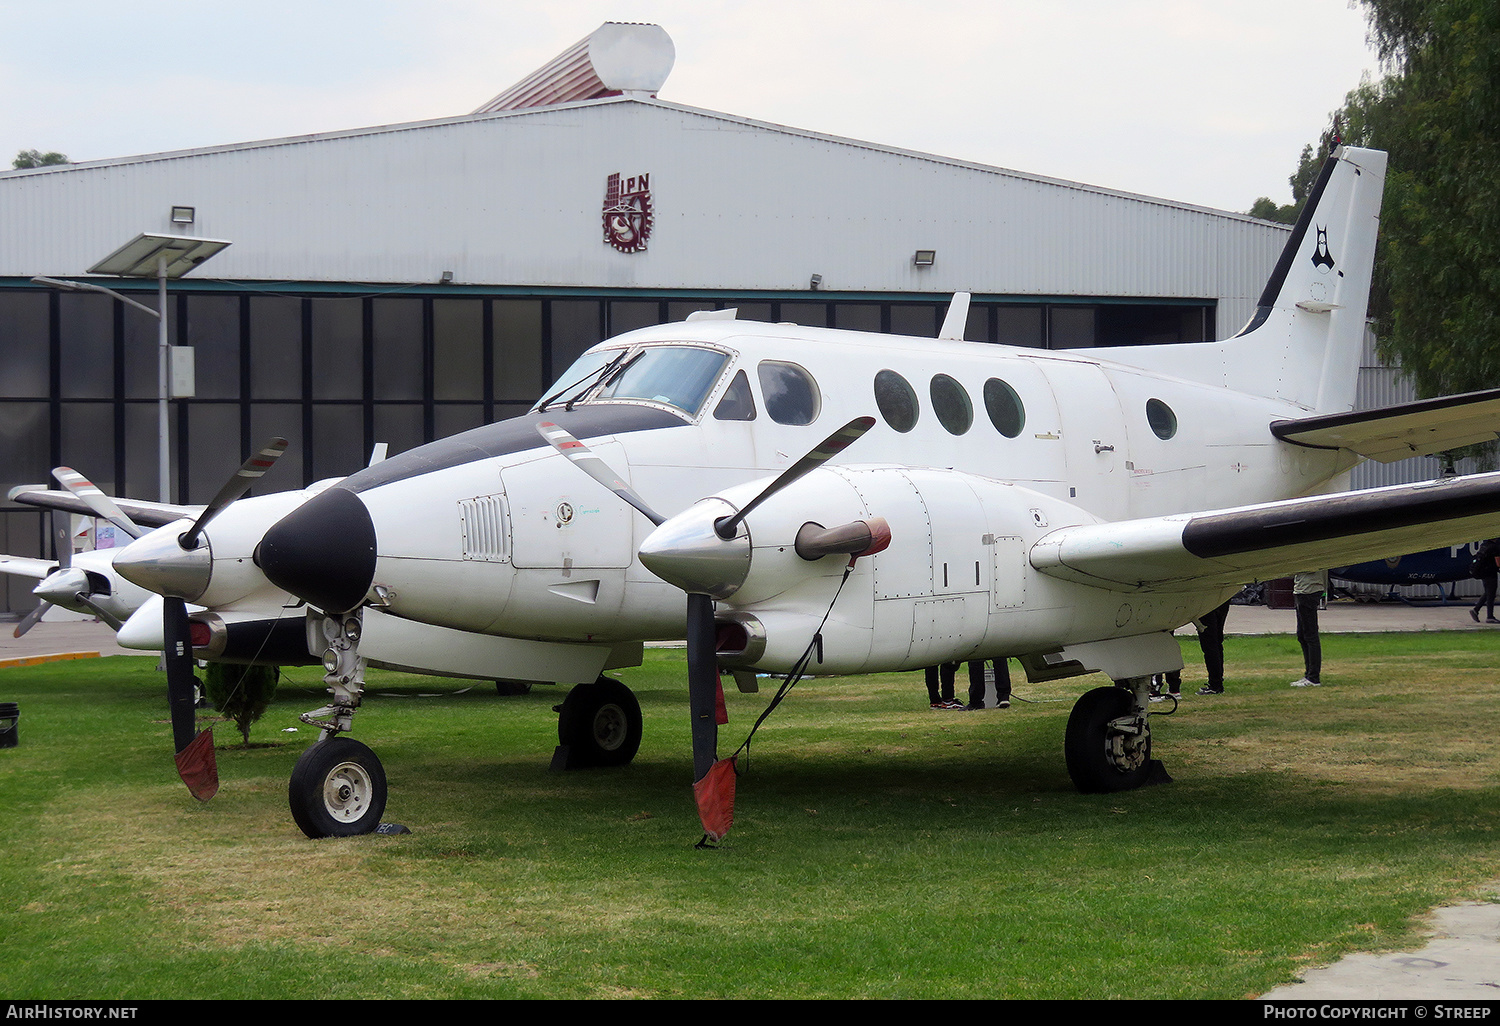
<point x="693" y="555"/>
<point x="178" y="569"/>
<point x="63" y="583"/>
<point x="96" y="500"/>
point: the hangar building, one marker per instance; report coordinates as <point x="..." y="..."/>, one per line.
<point x="404" y="282"/>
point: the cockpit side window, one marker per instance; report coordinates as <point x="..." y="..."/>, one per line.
<point x="790" y="393"/>
<point x="738" y="403"/>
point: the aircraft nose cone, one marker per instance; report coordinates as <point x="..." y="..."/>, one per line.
<point x="323" y="551"/>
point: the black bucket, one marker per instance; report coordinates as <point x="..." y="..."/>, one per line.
<point x="10" y="724"/>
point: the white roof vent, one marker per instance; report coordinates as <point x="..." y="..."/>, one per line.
<point x="615" y="59"/>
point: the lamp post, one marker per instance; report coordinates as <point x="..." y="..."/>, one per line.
<point x="160" y="256"/>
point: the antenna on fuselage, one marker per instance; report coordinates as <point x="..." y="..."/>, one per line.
<point x="957" y="317"/>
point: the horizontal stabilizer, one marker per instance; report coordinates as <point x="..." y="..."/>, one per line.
<point x="1397" y="432"/>
<point x="1249" y="543"/>
<point x="149" y="514"/>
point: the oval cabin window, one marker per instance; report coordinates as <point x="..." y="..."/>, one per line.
<point x="950" y="401"/>
<point x="896" y="400"/>
<point x="1004" y="408"/>
<point x="1161" y="418"/>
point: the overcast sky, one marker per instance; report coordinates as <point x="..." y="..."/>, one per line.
<point x="1201" y="101"/>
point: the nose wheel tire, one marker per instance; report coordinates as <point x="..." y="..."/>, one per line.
<point x="600" y="723"/>
<point x="1108" y="742"/>
<point x="337" y="789"/>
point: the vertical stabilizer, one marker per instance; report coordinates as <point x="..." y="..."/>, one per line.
<point x="1303" y="345"/>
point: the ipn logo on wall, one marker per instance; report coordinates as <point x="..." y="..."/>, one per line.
<point x="627" y="212"/>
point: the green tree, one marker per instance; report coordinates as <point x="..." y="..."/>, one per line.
<point x="1437" y="113"/>
<point x="242" y="693"/>
<point x="36" y="158"/>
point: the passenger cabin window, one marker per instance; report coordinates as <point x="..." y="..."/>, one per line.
<point x="790" y="393"/>
<point x="896" y="400"/>
<point x="1004" y="407"/>
<point x="950" y="401"/>
<point x="738" y="403"/>
<point x="1161" y="418"/>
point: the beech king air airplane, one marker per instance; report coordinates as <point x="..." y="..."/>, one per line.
<point x="1067" y="509"/>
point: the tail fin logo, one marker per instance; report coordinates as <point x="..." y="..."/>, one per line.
<point x="1321" y="258"/>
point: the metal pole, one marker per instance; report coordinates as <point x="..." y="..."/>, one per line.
<point x="163" y="445"/>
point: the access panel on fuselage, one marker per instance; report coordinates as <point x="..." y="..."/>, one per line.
<point x="562" y="519"/>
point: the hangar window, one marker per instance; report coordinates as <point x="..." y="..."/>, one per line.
<point x="1161" y="418"/>
<point x="950" y="401"/>
<point x="1004" y="407"/>
<point x="738" y="403"/>
<point x="790" y="392"/>
<point x="896" y="400"/>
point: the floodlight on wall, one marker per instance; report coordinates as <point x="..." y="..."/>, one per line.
<point x="183" y="215"/>
<point x="925" y="257"/>
<point x="815" y="282"/>
<point x="446" y="279"/>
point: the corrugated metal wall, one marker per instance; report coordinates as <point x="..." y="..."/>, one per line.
<point x="515" y="199"/>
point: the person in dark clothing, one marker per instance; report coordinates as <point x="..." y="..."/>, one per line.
<point x="939" y="681"/>
<point x="1486" y="570"/>
<point x="977" y="684"/>
<point x="1308" y="589"/>
<point x="1211" y="641"/>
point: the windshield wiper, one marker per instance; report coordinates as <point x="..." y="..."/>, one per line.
<point x="581" y="386"/>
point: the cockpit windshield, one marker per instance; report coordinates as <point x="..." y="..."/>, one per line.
<point x="679" y="376"/>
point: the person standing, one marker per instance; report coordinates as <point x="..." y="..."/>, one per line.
<point x="1211" y="641"/>
<point x="977" y="684"/>
<point x="1308" y="589"/>
<point x="1486" y="570"/>
<point x="939" y="680"/>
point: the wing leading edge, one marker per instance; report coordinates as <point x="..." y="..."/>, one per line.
<point x="1235" y="546"/>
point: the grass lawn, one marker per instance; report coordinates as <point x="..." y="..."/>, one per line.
<point x="880" y="849"/>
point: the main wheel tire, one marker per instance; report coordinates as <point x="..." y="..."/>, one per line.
<point x="337" y="789"/>
<point x="600" y="723"/>
<point x="1100" y="758"/>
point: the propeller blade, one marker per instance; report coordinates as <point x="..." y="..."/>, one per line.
<point x="195" y="755"/>
<point x="250" y="471"/>
<point x="584" y="459"/>
<point x="93" y="496"/>
<point x="62" y="537"/>
<point x="104" y="614"/>
<point x="703" y="683"/>
<point x="32" y="618"/>
<point x="825" y="451"/>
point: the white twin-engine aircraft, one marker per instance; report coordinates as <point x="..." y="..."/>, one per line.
<point x="873" y="502"/>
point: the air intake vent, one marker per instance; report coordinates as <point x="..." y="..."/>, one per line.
<point x="482" y="523"/>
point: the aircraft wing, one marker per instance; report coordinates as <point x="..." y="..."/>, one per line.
<point x="147" y="514"/>
<point x="1398" y="432"/>
<point x="1274" y="539"/>
<point x="25" y="566"/>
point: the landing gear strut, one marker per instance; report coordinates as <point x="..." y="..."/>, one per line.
<point x="338" y="787"/>
<point x="1108" y="742"/>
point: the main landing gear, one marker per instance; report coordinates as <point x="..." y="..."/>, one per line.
<point x="598" y="724"/>
<point x="1108" y="741"/>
